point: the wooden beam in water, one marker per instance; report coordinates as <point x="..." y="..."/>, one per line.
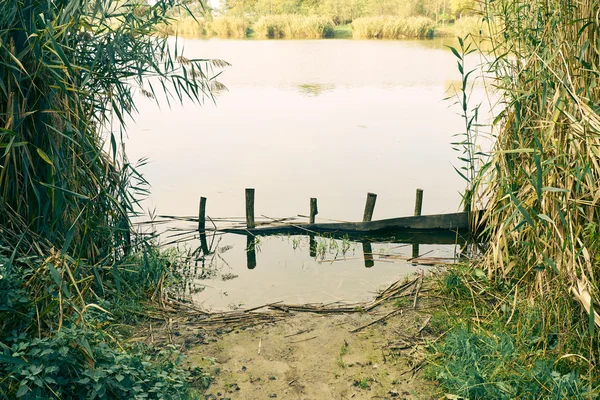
<point x="424" y="223"/>
<point x="369" y="207"/>
<point x="250" y="224"/>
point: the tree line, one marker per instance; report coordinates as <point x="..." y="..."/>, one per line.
<point x="345" y="11"/>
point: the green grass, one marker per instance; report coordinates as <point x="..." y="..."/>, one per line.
<point x="342" y="31"/>
<point x="493" y="346"/>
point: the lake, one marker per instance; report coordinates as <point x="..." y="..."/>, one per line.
<point x="331" y="119"/>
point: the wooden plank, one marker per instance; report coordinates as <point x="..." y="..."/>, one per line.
<point x="438" y="222"/>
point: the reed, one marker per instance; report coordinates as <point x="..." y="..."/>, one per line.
<point x="541" y="186"/>
<point x="68" y="73"/>
<point x="472" y="25"/>
<point x="293" y="27"/>
<point x="388" y="27"/>
<point x="186" y="25"/>
<point x="228" y="26"/>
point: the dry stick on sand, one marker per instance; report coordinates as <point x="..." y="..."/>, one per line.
<point x="418" y="290"/>
<point x="377" y="320"/>
<point x="305" y="340"/>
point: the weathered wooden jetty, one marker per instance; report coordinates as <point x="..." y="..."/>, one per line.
<point x="452" y="228"/>
<point x="437" y="225"/>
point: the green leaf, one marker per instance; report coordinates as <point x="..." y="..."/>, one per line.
<point x="522" y="209"/>
<point x="545" y="218"/>
<point x="44" y="156"/>
<point x="12" y="360"/>
<point x="23" y="390"/>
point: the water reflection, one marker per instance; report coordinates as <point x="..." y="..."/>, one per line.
<point x="310" y="267"/>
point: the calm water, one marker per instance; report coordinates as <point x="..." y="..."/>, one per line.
<point x="332" y="119"/>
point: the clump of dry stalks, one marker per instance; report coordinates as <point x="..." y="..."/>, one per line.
<point x="542" y="184"/>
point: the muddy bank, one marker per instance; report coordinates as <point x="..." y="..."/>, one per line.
<point x="323" y="356"/>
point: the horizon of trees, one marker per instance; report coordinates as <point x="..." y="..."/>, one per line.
<point x="344" y="11"/>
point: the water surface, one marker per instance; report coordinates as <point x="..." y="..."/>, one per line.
<point x="331" y="119"/>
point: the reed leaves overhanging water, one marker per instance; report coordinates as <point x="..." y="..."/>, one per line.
<point x="543" y="181"/>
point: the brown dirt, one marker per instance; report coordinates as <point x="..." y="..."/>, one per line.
<point x="313" y="356"/>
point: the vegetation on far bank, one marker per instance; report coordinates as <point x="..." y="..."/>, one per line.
<point x="366" y="19"/>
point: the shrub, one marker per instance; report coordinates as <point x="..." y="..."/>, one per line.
<point x="81" y="364"/>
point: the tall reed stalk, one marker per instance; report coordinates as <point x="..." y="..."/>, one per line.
<point x="543" y="182"/>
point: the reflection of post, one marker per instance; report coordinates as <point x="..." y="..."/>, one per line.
<point x="204" y="244"/>
<point x="415" y="252"/>
<point x="312" y="245"/>
<point x="313" y="209"/>
<point x="250" y="208"/>
<point x="368" y="254"/>
<point x="369" y="207"/>
<point x="251" y="252"/>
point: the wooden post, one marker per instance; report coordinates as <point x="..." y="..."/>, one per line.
<point x="250" y="209"/>
<point x="251" y="252"/>
<point x="313" y="209"/>
<point x="419" y="202"/>
<point x="202" y="215"/>
<point x="312" y="246"/>
<point x="368" y="254"/>
<point x="369" y="207"/>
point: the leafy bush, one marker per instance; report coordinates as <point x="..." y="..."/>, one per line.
<point x="81" y="364"/>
